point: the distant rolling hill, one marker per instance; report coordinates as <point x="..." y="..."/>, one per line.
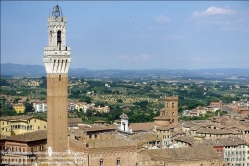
<point x="22" y="70"/>
<point x="9" y="69"/>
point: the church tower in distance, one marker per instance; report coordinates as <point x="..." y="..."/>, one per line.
<point x="168" y="114"/>
<point x="57" y="60"/>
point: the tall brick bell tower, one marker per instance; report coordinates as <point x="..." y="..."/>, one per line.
<point x="57" y="60"/>
<point x="168" y="114"/>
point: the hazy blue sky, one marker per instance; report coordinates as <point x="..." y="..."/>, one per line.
<point x="132" y="34"/>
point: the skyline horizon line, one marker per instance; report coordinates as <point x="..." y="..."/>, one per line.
<point x="131" y="68"/>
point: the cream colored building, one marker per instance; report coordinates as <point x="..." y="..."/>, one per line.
<point x="15" y="125"/>
<point x="104" y="109"/>
<point x="82" y="105"/>
<point x="19" y="108"/>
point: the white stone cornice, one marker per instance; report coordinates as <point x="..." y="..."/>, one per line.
<point x="55" y="65"/>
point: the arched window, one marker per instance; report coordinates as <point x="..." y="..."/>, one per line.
<point x="124" y="125"/>
<point x="50" y="36"/>
<point x="173" y="105"/>
<point x="101" y="162"/>
<point x="59" y="38"/>
<point x="173" y="113"/>
<point x="118" y="161"/>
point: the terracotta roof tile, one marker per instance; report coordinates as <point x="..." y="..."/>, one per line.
<point x="213" y="131"/>
<point x="188" y="124"/>
<point x="190" y="140"/>
<point x="142" y="126"/>
<point x="207" y="142"/>
<point x="32" y="136"/>
<point x="176" y="154"/>
<point x="74" y="120"/>
<point x="97" y="127"/>
<point x="21" y="117"/>
<point x="195" y="127"/>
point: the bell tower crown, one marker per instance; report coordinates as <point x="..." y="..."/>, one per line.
<point x="57" y="11"/>
<point x="57" y="54"/>
<point x="57" y="28"/>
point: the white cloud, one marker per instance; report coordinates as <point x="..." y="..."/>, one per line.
<point x="213" y="11"/>
<point x="224" y="18"/>
<point x="201" y="59"/>
<point x="161" y="18"/>
<point x="123" y="57"/>
<point x="143" y="57"/>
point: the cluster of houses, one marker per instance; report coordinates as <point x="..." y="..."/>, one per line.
<point x="41" y="106"/>
<point x="102" y="144"/>
<point x="241" y="107"/>
<point x="199" y="111"/>
<point x="219" y="140"/>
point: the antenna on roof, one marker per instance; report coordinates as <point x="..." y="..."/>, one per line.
<point x="49" y="13"/>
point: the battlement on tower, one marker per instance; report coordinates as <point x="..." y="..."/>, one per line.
<point x="172" y="98"/>
<point x="57" y="19"/>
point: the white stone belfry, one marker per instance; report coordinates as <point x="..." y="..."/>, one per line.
<point x="124" y="127"/>
<point x="57" y="54"/>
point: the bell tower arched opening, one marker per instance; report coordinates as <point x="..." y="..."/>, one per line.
<point x="59" y="39"/>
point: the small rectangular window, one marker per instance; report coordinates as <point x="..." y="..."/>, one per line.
<point x="118" y="162"/>
<point x="101" y="163"/>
